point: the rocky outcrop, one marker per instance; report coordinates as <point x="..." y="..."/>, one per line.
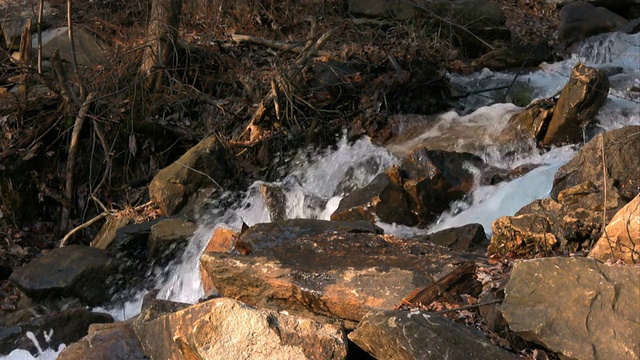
<point x="403" y="335"/>
<point x="417" y="192"/>
<point x="578" y="307"/>
<point x="523" y="235"/>
<point x="50" y="330"/>
<point x="338" y="275"/>
<point x="621" y="238"/>
<point x="621" y="148"/>
<point x="459" y="238"/>
<point x="106" y="342"/>
<point x="74" y="270"/>
<point x="579" y="101"/>
<point x="579" y="20"/>
<point x="204" y="166"/>
<point x="227" y="329"/>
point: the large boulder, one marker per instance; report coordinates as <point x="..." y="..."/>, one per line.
<point x="579" y="20"/>
<point x="415" y="193"/>
<point x="621" y="149"/>
<point x="523" y="236"/>
<point x="403" y="335"/>
<point x="227" y="329"/>
<point x="106" y="342"/>
<point x="338" y="275"/>
<point x="74" y="270"/>
<point x="459" y="238"/>
<point x="168" y="236"/>
<point x="50" y="330"/>
<point x="206" y="165"/>
<point x="578" y="104"/>
<point x="621" y="238"/>
<point x="578" y="307"/>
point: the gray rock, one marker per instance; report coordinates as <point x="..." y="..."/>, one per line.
<point x="578" y="307"/>
<point x="227" y="329"/>
<point x="579" y="20"/>
<point x="169" y="235"/>
<point x="62" y="327"/>
<point x="403" y="335"/>
<point x="459" y="238"/>
<point x="621" y="148"/>
<point x="74" y="270"/>
<point x="90" y="51"/>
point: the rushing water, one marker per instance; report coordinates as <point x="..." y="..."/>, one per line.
<point x="315" y="186"/>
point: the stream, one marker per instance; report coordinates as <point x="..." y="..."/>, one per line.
<point x="317" y="183"/>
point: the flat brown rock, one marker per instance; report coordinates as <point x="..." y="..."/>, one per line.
<point x="339" y="275"/>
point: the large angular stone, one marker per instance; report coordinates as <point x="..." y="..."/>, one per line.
<point x="578" y="307"/>
<point x="227" y="329"/>
<point x="403" y="335"/>
<point x="621" y="149"/>
<point x="90" y="51"/>
<point x="205" y="165"/>
<point x="106" y="342"/>
<point x="338" y="275"/>
<point x="169" y="235"/>
<point x="578" y="104"/>
<point x="74" y="270"/>
<point x="459" y="238"/>
<point x="579" y="20"/>
<point x="621" y="239"/>
<point x="523" y="235"/>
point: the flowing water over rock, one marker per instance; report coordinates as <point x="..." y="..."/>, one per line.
<point x="314" y="188"/>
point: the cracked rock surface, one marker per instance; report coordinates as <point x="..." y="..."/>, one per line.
<point x="578" y="307"/>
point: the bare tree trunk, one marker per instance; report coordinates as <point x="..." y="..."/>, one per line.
<point x="162" y="35"/>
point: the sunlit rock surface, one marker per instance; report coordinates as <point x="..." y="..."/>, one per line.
<point x="227" y="329"/>
<point x="621" y="239"/>
<point x="578" y="307"/>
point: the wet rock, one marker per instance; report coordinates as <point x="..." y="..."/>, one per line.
<point x="579" y="20"/>
<point x="579" y="101"/>
<point x="621" y="149"/>
<point x="621" y="239"/>
<point x="74" y="270"/>
<point x="523" y="235"/>
<point x="227" y="329"/>
<point x="172" y="188"/>
<point x="383" y="197"/>
<point x="275" y="201"/>
<point x="531" y="123"/>
<point x="578" y="307"/>
<point x="417" y="192"/>
<point x="50" y="330"/>
<point x="419" y="335"/>
<point x="513" y="57"/>
<point x="223" y="240"/>
<point x="106" y="342"/>
<point x="89" y="50"/>
<point x="338" y="275"/>
<point x="168" y="236"/>
<point x="459" y="238"/>
<point x="266" y="235"/>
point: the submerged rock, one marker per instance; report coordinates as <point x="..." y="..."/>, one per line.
<point x="169" y="235"/>
<point x="621" y="239"/>
<point x="227" y="329"/>
<point x="338" y="275"/>
<point x="74" y="270"/>
<point x="106" y="342"/>
<point x="50" y="330"/>
<point x="403" y="335"/>
<point x="578" y="307"/>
